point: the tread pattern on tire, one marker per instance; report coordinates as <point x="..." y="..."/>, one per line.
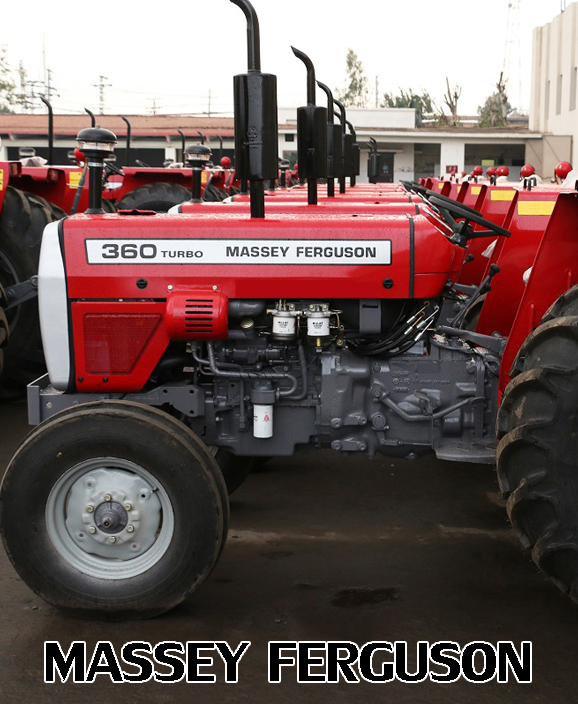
<point x="159" y="196"/>
<point x="22" y="221"/>
<point x="71" y="599"/>
<point x="538" y="451"/>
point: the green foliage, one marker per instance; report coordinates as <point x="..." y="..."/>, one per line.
<point x="7" y="85"/>
<point x="356" y="93"/>
<point x="421" y="102"/>
<point x="494" y="112"/>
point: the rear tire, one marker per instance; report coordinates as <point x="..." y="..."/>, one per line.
<point x="22" y="221"/>
<point x="158" y="196"/>
<point x="538" y="452"/>
<point x="162" y="482"/>
<point x="3" y="328"/>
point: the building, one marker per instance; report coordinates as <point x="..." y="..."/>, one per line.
<point x="553" y="106"/>
<point x="411" y="152"/>
<point x="154" y="138"/>
<point x="430" y="151"/>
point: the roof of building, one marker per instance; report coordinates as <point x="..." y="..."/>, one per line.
<point x="141" y="125"/>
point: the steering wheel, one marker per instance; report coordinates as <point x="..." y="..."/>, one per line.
<point x="452" y="207"/>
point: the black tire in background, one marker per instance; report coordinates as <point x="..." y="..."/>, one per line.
<point x="22" y="221"/>
<point x="183" y="471"/>
<point x="159" y="196"/>
<point x="3" y="328"/>
<point x="538" y="450"/>
<point x="108" y="206"/>
<point x="235" y="469"/>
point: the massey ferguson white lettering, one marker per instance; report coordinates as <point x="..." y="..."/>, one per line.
<point x="235" y="252"/>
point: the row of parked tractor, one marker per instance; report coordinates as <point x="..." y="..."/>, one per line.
<point x="183" y="347"/>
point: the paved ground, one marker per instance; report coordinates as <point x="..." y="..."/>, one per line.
<point x="325" y="548"/>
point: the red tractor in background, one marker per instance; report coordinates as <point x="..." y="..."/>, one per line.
<point x="167" y="335"/>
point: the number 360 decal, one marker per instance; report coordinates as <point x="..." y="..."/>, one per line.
<point x="129" y="251"/>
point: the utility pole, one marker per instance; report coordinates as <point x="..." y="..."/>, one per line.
<point x="154" y="108"/>
<point x="377" y="91"/>
<point x="209" y="106"/>
<point x="512" y="68"/>
<point x="101" y="85"/>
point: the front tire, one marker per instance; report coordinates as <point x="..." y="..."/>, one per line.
<point x="538" y="451"/>
<point x="158" y="196"/>
<point x="113" y="510"/>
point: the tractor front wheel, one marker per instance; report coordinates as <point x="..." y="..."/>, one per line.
<point x="113" y="510"/>
<point x="158" y="196"/>
<point x="538" y="450"/>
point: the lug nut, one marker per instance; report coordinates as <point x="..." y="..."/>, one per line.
<point x="92" y="529"/>
<point x="128" y="507"/>
<point x="89" y="509"/>
<point x="107" y="497"/>
<point x="112" y="539"/>
<point x="130" y="529"/>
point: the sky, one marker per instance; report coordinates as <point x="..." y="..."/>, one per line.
<point x="181" y="57"/>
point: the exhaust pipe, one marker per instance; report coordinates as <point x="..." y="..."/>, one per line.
<point x="334" y="144"/>
<point x="183" y="145"/>
<point x="311" y="134"/>
<point x="92" y="117"/>
<point x="347" y="142"/>
<point x="50" y="131"/>
<point x="256" y="138"/>
<point x="128" y="132"/>
<point x="356" y="155"/>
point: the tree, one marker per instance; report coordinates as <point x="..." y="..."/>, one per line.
<point x="7" y="85"/>
<point x="494" y="112"/>
<point x="422" y="103"/>
<point x="451" y="100"/>
<point x="356" y="94"/>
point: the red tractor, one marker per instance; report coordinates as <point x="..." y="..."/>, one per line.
<point x="168" y="335"/>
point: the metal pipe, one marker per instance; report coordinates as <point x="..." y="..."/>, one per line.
<point x="220" y="147"/>
<point x="202" y="136"/>
<point x="50" y="131"/>
<point x="248" y="375"/>
<point x="183" y="144"/>
<point x="253" y="35"/>
<point x="92" y="117"/>
<point x="310" y="75"/>
<point x="257" y="191"/>
<point x="329" y="94"/>
<point x="128" y="131"/>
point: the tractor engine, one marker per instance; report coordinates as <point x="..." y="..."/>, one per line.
<point x="268" y="336"/>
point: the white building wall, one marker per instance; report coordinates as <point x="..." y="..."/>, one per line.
<point x="554" y="98"/>
<point x="453" y="153"/>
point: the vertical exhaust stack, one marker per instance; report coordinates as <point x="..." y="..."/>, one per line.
<point x="50" y="131"/>
<point x="92" y="117"/>
<point x="183" y="146"/>
<point x="256" y="138"/>
<point x="334" y="144"/>
<point x="373" y="162"/>
<point x="311" y="134"/>
<point x="347" y="142"/>
<point x="128" y="134"/>
<point x="356" y="155"/>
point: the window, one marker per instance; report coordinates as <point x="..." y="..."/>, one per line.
<point x="289" y="137"/>
<point x="559" y="95"/>
<point x="573" y="80"/>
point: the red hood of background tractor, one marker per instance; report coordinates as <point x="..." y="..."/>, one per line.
<point x="285" y="256"/>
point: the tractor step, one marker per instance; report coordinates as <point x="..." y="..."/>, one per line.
<point x="483" y="452"/>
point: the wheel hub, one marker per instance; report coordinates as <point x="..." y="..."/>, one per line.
<point x="113" y="513"/>
<point x="111" y="517"/>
